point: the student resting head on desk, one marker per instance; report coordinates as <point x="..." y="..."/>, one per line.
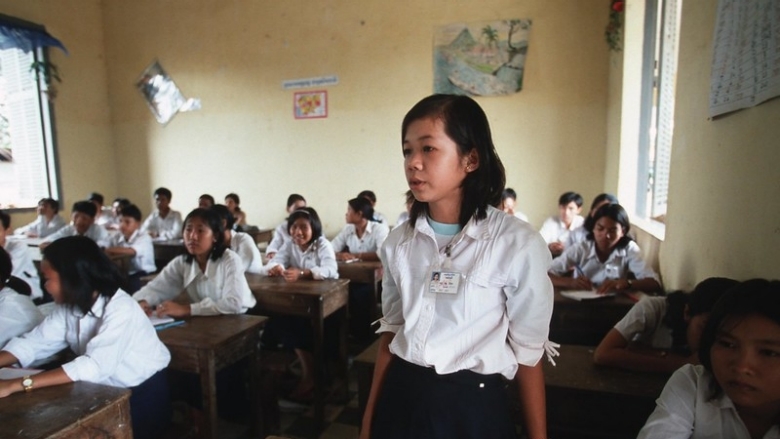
<point x="606" y="259"/>
<point x="210" y="273"/>
<point x="281" y="233"/>
<point x="735" y="391"/>
<point x="48" y="220"/>
<point x="18" y="314"/>
<point x="660" y="334"/>
<point x="241" y="243"/>
<point x="446" y="347"/>
<point x="114" y="342"/>
<point x="362" y="236"/>
<point x="82" y="224"/>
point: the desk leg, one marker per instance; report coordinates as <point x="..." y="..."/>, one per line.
<point x="256" y="427"/>
<point x="208" y="385"/>
<point x="319" y="372"/>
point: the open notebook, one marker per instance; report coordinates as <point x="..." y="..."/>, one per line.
<point x="585" y="295"/>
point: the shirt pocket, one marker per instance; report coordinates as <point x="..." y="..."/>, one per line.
<point x="484" y="296"/>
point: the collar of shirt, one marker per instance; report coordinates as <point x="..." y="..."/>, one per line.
<point x="618" y="252"/>
<point x="477" y="230"/>
<point x="132" y="237"/>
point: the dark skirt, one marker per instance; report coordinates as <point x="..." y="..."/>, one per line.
<point x="150" y="407"/>
<point x="416" y="403"/>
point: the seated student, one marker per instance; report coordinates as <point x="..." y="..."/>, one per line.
<point x="660" y="334"/>
<point x="114" y="342"/>
<point x="23" y="266"/>
<point x="241" y="243"/>
<point x="734" y="392"/>
<point x="232" y="202"/>
<point x="404" y="216"/>
<point x="210" y="273"/>
<point x="18" y="314"/>
<point x="371" y="196"/>
<point x="606" y="258"/>
<point x="164" y="223"/>
<point x="281" y="234"/>
<point x="508" y="202"/>
<point x="131" y="241"/>
<point x="82" y="223"/>
<point x="48" y="220"/>
<point x="556" y="229"/>
<point x="116" y="208"/>
<point x="307" y="256"/>
<point x="580" y="234"/>
<point x="363" y="234"/>
<point x="102" y="217"/>
<point x="205" y="201"/>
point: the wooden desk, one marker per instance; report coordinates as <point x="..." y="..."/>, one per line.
<point x="260" y="235"/>
<point x="166" y="251"/>
<point x="70" y="411"/>
<point x="315" y="299"/>
<point x="586" y="322"/>
<point x="366" y="272"/>
<point x="122" y="261"/>
<point x="206" y="344"/>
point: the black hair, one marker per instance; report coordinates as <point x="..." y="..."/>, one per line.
<point x="208" y="197"/>
<point x="363" y="206"/>
<point x="123" y="202"/>
<point x="369" y="195"/>
<point x="5" y="219"/>
<point x="54" y="204"/>
<point x="600" y="198"/>
<point x="314" y="220"/>
<point x="83" y="269"/>
<point x="85" y="207"/>
<point x="508" y="193"/>
<point x="225" y="215"/>
<point x="9" y="280"/>
<point x="753" y="297"/>
<point x="164" y="192"/>
<point x="233" y="196"/>
<point x="466" y="124"/>
<point x="294" y="198"/>
<point x="616" y="213"/>
<point x="568" y="197"/>
<point x="212" y="219"/>
<point x="132" y="211"/>
<point x="94" y="196"/>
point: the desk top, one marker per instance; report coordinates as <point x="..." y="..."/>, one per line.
<point x="617" y="301"/>
<point x="46" y="411"/>
<point x="276" y="284"/>
<point x="209" y="332"/>
<point x="303" y="298"/>
<point x="360" y="271"/>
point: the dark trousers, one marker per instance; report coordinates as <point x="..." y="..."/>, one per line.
<point x="150" y="407"/>
<point x="418" y="403"/>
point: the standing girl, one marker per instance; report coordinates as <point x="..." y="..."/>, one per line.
<point x="114" y="342"/>
<point x="447" y="346"/>
<point x="735" y="392"/>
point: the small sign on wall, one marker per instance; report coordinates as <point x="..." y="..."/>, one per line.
<point x="310" y="104"/>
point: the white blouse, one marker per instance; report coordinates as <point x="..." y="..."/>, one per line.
<point x="41" y="227"/>
<point x="246" y="248"/>
<point x="142" y="243"/>
<point x="18" y="314"/>
<point x="281" y="237"/>
<point x="319" y="258"/>
<point x="24" y="267"/>
<point x="618" y="264"/>
<point x="166" y="228"/>
<point x="94" y="232"/>
<point x="373" y="237"/>
<point x="644" y="323"/>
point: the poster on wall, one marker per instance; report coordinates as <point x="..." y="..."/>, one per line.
<point x="311" y="104"/>
<point x="480" y="59"/>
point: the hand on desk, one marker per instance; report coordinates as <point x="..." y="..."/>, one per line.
<point x="173" y="309"/>
<point x="146" y="307"/>
<point x="580" y="283"/>
<point x="292" y="274"/>
<point x="276" y="270"/>
<point x="345" y="256"/>
<point x="609" y="285"/>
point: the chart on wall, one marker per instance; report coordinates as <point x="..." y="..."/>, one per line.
<point x="480" y="59"/>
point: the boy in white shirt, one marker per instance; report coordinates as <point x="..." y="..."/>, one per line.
<point x="164" y="223"/>
<point x="556" y="229"/>
<point x="82" y="223"/>
<point x="48" y="220"/>
<point x="103" y="215"/>
<point x="131" y="241"/>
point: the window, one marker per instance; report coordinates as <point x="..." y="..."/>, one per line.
<point x="27" y="150"/>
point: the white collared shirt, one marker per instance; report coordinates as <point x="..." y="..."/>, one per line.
<point x="576" y="236"/>
<point x="373" y="237"/>
<point x="686" y="409"/>
<point x="41" y="227"/>
<point x="18" y="314"/>
<point x="142" y="243"/>
<point x="221" y="289"/>
<point x="94" y="232"/>
<point x="23" y="266"/>
<point x="115" y="343"/>
<point x="166" y="228"/>
<point x="281" y="237"/>
<point x="380" y="218"/>
<point x="618" y="264"/>
<point x="644" y="323"/>
<point x="319" y="258"/>
<point x="246" y="248"/>
<point x="555" y="230"/>
<point x="501" y="313"/>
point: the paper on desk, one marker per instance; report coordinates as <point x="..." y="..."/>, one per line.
<point x="12" y="373"/>
<point x="349" y="261"/>
<point x="585" y="295"/>
<point x="159" y="320"/>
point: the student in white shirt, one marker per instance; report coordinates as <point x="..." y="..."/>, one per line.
<point x="556" y="229"/>
<point x="114" y="342"/>
<point x="281" y="233"/>
<point x="241" y="243"/>
<point x="660" y="334"/>
<point x="103" y="217"/>
<point x="131" y="241"/>
<point x="210" y="273"/>
<point x="23" y="266"/>
<point x="735" y="392"/>
<point x="580" y="234"/>
<point x="48" y="220"/>
<point x="371" y="196"/>
<point x="18" y="314"/>
<point x="83" y="224"/>
<point x="164" y="223"/>
<point x="447" y="345"/>
<point x="116" y="208"/>
<point x="509" y="202"/>
<point x="205" y="201"/>
<point x="233" y="204"/>
<point x="609" y="260"/>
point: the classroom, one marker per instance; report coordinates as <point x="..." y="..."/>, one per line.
<point x="564" y="131"/>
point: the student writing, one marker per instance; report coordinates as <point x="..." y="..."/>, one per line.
<point x="580" y="234"/>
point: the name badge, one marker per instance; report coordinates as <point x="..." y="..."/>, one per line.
<point x="444" y="282"/>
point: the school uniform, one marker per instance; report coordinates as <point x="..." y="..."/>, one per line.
<point x="165" y="228"/>
<point x="94" y="232"/>
<point x="143" y="262"/>
<point x="373" y="237"/>
<point x="521" y="216"/>
<point x="246" y="248"/>
<point x="555" y="230"/>
<point x="220" y="289"/>
<point x="319" y="258"/>
<point x="687" y="409"/>
<point x="644" y="323"/>
<point x="452" y="350"/>
<point x="281" y="237"/>
<point x="402" y="218"/>
<point x="18" y="314"/>
<point x="578" y="235"/>
<point x="23" y="266"/>
<point x="378" y="217"/>
<point x="41" y="227"/>
<point x="104" y="218"/>
<point x="617" y="266"/>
